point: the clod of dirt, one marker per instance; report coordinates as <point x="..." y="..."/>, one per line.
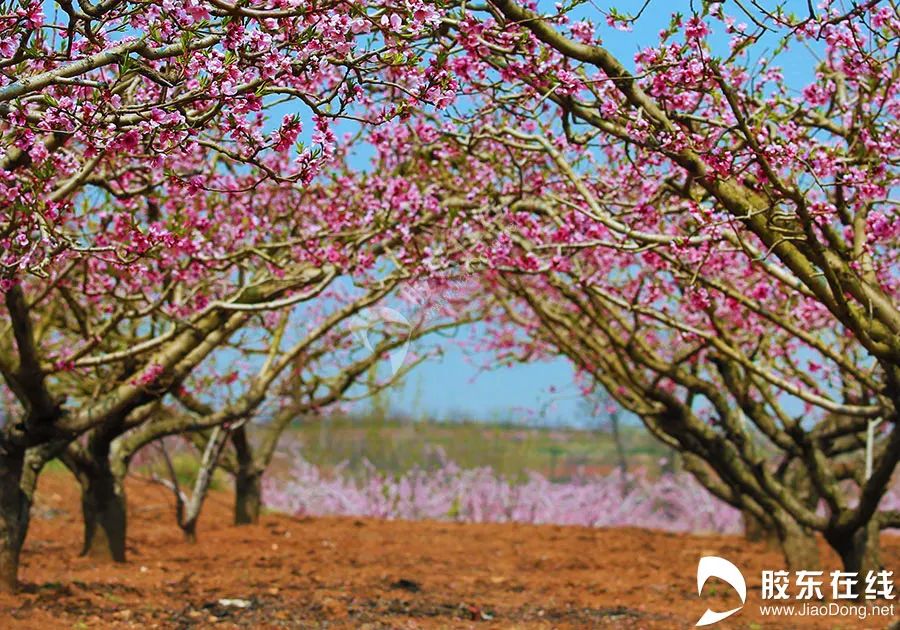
<point x="407" y="585"/>
<point x="476" y="614"/>
<point x="330" y="606"/>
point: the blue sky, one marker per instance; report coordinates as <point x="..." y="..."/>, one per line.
<point x="451" y="388"/>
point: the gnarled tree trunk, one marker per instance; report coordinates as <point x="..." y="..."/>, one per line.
<point x="14" y="512"/>
<point x="247" y="496"/>
<point x="187" y="509"/>
<point x="247" y="481"/>
<point x="104" y="512"/>
<point x="860" y="551"/>
<point x="103" y="506"/>
<point x="18" y="479"/>
<point x="758" y="530"/>
<point x="798" y="545"/>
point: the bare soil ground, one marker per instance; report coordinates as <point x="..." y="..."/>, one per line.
<point x="365" y="573"/>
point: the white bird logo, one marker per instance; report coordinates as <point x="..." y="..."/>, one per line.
<point x="364" y="320"/>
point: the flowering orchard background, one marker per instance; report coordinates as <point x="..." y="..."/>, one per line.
<point x="480" y="495"/>
<point x="397" y="470"/>
<point x="671" y="502"/>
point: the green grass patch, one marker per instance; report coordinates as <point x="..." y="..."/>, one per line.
<point x="397" y="446"/>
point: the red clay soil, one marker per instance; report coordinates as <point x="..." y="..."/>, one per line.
<point x="365" y="573"/>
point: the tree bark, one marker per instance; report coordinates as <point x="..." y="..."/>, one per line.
<point x="104" y="511"/>
<point x="860" y="551"/>
<point x="619" y="442"/>
<point x="14" y="513"/>
<point x="247" y="481"/>
<point x="187" y="510"/>
<point x="757" y="530"/>
<point x="799" y="547"/>
<point x="247" y="496"/>
<point x="103" y="507"/>
<point x="797" y="544"/>
<point x="189" y="529"/>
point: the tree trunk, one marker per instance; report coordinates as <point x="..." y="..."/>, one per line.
<point x="247" y="480"/>
<point x="758" y="530"/>
<point x="797" y="544"/>
<point x="621" y="452"/>
<point x="247" y="496"/>
<point x="861" y="551"/>
<point x="189" y="529"/>
<point x="187" y="510"/>
<point x="14" y="512"/>
<point x="103" y="508"/>
<point x="799" y="547"/>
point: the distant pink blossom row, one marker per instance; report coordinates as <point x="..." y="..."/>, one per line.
<point x="672" y="502"/>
